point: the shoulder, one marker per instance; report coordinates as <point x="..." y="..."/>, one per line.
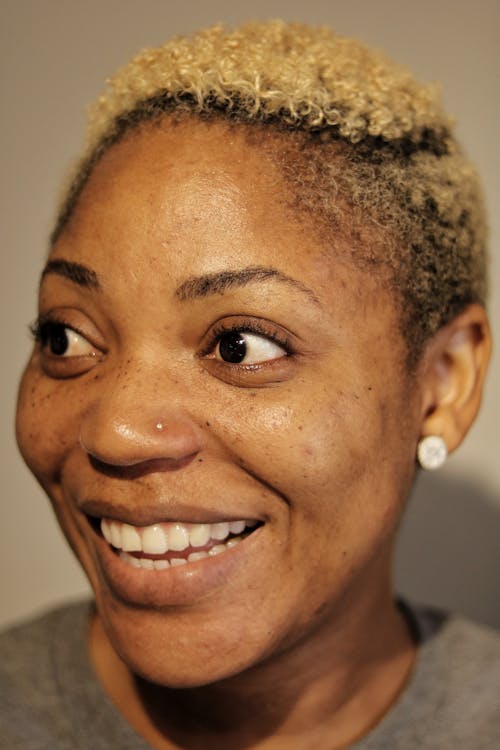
<point x="27" y="649"/>
<point x="32" y="697"/>
<point x="50" y="698"/>
<point x="457" y="681"/>
<point x="471" y="650"/>
<point x="451" y="701"/>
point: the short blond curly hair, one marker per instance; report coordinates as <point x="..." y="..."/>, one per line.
<point x="366" y="146"/>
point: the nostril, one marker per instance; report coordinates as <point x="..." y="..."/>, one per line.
<point x="142" y="437"/>
<point x="139" y="413"/>
<point x="141" y="468"/>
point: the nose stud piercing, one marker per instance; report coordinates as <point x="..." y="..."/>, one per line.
<point x="160" y="426"/>
<point x="431" y="452"/>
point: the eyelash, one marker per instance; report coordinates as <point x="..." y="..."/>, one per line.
<point x="44" y="328"/>
<point x="45" y="331"/>
<point x="258" y="327"/>
<point x="44" y="325"/>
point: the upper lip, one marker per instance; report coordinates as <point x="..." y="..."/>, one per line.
<point x="148" y="514"/>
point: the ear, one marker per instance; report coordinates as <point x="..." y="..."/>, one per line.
<point x="453" y="370"/>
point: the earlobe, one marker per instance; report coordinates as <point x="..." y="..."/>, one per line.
<point x="453" y="372"/>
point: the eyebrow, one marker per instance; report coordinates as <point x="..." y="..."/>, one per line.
<point x="194" y="287"/>
<point x="218" y="283"/>
<point x="75" y="272"/>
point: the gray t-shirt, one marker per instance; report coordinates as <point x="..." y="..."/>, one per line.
<point x="51" y="700"/>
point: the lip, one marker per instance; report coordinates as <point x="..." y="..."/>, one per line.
<point x="176" y="586"/>
<point x="146" y="515"/>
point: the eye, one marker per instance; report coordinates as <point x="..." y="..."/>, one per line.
<point x="60" y="340"/>
<point x="247" y="351"/>
<point x="243" y="347"/>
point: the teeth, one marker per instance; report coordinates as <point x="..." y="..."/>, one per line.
<point x="199" y="534"/>
<point x="178" y="537"/>
<point x="130" y="541"/>
<point x="221" y="530"/>
<point x="217" y="550"/>
<point x="131" y="560"/>
<point x="237" y="527"/>
<point x="154" y="540"/>
<point x="158" y="539"/>
<point x="116" y="537"/>
<point x="194" y="556"/>
<point x="147" y="563"/>
<point x="161" y="564"/>
<point x="106" y="530"/>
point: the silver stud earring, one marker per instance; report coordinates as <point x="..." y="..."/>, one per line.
<point x="431" y="452"/>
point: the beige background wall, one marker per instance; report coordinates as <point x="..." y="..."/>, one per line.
<point x="55" y="55"/>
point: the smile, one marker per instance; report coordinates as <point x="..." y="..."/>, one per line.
<point x="163" y="545"/>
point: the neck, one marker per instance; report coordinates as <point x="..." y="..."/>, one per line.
<point x="336" y="684"/>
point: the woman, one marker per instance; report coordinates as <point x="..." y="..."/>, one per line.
<point x="263" y="304"/>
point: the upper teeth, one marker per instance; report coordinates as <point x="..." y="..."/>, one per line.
<point x="162" y="537"/>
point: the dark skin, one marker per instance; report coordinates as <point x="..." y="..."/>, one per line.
<point x="290" y="639"/>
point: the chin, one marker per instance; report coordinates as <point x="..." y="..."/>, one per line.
<point x="179" y="649"/>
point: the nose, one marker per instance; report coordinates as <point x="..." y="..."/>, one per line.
<point x="134" y="420"/>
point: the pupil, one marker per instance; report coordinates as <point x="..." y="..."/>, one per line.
<point x="232" y="347"/>
<point x="58" y="340"/>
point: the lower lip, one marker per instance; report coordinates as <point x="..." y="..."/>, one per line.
<point x="174" y="586"/>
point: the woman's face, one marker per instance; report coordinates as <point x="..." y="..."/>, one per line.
<point x="204" y="359"/>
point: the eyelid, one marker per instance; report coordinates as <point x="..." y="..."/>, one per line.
<point x="36" y="328"/>
<point x="89" y="344"/>
<point x="67" y="319"/>
<point x="243" y="324"/>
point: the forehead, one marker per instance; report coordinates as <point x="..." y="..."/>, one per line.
<point x="197" y="197"/>
<point x="189" y="173"/>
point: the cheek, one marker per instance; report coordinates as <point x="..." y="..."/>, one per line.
<point x="46" y="425"/>
<point x="329" y="451"/>
<point x="316" y="432"/>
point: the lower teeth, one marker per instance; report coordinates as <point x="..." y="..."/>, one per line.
<point x="148" y="564"/>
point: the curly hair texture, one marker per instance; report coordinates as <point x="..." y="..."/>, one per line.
<point x="365" y="146"/>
